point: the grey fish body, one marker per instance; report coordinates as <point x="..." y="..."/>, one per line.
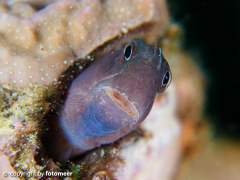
<point x="111" y="97"/>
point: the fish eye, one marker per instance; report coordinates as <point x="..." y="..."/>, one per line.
<point x="166" y="79"/>
<point x="128" y="52"/>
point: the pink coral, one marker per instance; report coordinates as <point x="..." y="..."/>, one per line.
<point x="37" y="47"/>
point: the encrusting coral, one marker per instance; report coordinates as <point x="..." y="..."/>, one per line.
<point x="38" y="46"/>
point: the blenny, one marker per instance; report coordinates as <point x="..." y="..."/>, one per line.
<point x="108" y="99"/>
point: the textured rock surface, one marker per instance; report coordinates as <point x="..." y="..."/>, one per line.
<point x="38" y="46"/>
<point x="21" y="111"/>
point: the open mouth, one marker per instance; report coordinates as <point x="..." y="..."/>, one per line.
<point x="122" y="102"/>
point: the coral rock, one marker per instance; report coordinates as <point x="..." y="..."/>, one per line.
<point x="37" y="47"/>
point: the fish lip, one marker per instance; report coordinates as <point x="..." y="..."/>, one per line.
<point x="122" y="102"/>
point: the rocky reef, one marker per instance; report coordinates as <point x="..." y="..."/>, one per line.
<point x="45" y="45"/>
<point x="38" y="46"/>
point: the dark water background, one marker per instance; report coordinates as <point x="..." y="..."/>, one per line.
<point x="213" y="29"/>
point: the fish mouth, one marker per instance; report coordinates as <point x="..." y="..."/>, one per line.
<point x="122" y="102"/>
